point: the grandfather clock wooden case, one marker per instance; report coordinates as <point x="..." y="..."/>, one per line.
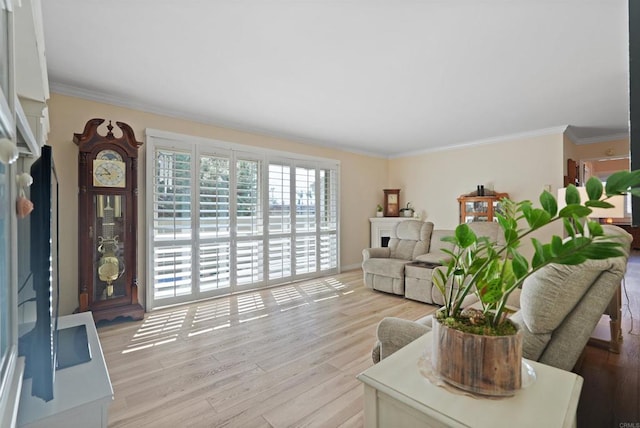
<point x="107" y="222"/>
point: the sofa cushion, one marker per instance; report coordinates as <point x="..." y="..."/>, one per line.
<point x="552" y="292"/>
<point x="411" y="238"/>
<point x="393" y="268"/>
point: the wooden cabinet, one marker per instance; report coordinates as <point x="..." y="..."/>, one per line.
<point x="479" y="208"/>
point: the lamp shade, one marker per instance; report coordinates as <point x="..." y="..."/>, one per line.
<point x="617" y="201"/>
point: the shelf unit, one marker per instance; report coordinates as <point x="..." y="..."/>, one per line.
<point x="479" y="208"/>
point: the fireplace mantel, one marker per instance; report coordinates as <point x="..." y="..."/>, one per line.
<point x="381" y="227"/>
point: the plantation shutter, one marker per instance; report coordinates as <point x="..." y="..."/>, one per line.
<point x="172" y="225"/>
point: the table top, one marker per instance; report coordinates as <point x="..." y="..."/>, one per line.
<point x="550" y="401"/>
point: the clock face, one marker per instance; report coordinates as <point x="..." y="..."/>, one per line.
<point x="393" y="199"/>
<point x="108" y="173"/>
<point x="109" y="155"/>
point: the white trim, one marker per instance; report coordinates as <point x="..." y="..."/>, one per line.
<point x="593" y="140"/>
<point x="226" y="145"/>
<point x="486" y="141"/>
<point x="97" y="96"/>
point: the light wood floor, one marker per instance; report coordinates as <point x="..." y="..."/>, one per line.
<point x="288" y="356"/>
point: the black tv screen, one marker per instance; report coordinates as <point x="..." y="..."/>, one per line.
<point x="38" y="345"/>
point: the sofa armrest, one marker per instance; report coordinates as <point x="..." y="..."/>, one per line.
<point x="395" y="333"/>
<point x="376" y="253"/>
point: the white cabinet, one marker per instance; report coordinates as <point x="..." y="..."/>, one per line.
<point x="82" y="393"/>
<point x="396" y="394"/>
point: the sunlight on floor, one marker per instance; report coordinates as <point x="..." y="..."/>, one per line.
<point x="163" y="327"/>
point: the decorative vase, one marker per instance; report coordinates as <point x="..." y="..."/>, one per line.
<point x="379" y="214"/>
<point x="487" y="365"/>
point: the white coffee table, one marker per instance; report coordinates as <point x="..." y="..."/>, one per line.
<point x="397" y="395"/>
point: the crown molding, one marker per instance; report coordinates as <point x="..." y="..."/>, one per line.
<point x="598" y="139"/>
<point x="101" y="97"/>
<point x="487" y="141"/>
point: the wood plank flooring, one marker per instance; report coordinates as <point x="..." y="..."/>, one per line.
<point x="288" y="356"/>
<point x="281" y="357"/>
<point x="611" y="391"/>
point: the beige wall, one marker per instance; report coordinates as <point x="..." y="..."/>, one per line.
<point x="521" y="168"/>
<point x="362" y="178"/>
<point x="433" y="181"/>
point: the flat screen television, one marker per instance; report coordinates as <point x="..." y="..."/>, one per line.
<point x="38" y="344"/>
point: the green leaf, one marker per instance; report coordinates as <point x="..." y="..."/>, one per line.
<point x="574" y="211"/>
<point x="602" y="250"/>
<point x="619" y="182"/>
<point x="491" y="291"/>
<point x="594" y="189"/>
<point x="451" y="239"/>
<point x="510" y="236"/>
<point x="549" y="203"/>
<point x="571" y="259"/>
<point x="556" y="245"/>
<point x="572" y="196"/>
<point x="577" y="224"/>
<point x="465" y="236"/>
<point x="537" y="218"/>
<point x="519" y="264"/>
<point x="568" y="227"/>
<point x="538" y="257"/>
<point x="595" y="228"/>
<point x="598" y="204"/>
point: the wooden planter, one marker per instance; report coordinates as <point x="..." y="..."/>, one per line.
<point x="488" y="365"/>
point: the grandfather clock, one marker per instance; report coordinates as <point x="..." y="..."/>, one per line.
<point x="107" y="222"/>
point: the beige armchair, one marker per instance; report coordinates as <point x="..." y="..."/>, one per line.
<point x="559" y="307"/>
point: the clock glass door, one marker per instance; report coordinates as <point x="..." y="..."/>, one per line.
<point x="109" y="244"/>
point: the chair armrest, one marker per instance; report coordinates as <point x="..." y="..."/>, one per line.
<point x="376" y="253"/>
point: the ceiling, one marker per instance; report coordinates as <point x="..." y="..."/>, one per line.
<point x="382" y="77"/>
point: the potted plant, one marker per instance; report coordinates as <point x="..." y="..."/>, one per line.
<point x="407" y="211"/>
<point x="479" y="266"/>
<point x="379" y="211"/>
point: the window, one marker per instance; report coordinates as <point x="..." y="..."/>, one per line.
<point x="228" y="217"/>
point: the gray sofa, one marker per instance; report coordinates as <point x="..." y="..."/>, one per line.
<point x="558" y="309"/>
<point x="406" y="266"/>
<point x="383" y="268"/>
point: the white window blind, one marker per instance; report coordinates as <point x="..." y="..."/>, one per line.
<point x="228" y="217"/>
<point x="214" y="217"/>
<point x="171" y="209"/>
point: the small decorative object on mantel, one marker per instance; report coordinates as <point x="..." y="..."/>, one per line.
<point x="391" y="202"/>
<point x="481" y="350"/>
<point x="379" y="212"/>
<point x="407" y="211"/>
